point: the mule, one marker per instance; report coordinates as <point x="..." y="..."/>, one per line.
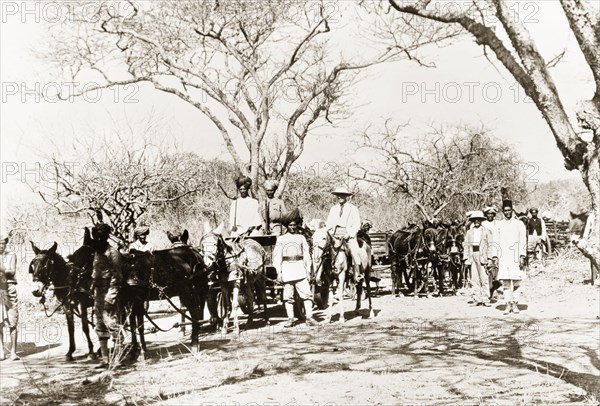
<point x="403" y="247"/>
<point x="234" y="268"/>
<point x="71" y="289"/>
<point x="162" y="274"/>
<point x="454" y="252"/>
<point x="332" y="262"/>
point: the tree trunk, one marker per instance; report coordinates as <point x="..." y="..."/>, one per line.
<point x="590" y="171"/>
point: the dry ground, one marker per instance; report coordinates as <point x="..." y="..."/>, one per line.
<point x="414" y="351"/>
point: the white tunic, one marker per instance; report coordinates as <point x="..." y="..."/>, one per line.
<point x="291" y="257"/>
<point x="512" y="244"/>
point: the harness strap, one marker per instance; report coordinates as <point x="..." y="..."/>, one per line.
<point x="162" y="293"/>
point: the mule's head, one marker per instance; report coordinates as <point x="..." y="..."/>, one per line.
<point x="577" y="224"/>
<point x="429" y="240"/>
<point x="215" y="254"/>
<point x="137" y="267"/>
<point x="178" y="238"/>
<point x="44" y="267"/>
<point x="454" y="240"/>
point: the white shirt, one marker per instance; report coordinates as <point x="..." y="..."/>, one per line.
<point x="139" y="246"/>
<point x="493" y="227"/>
<point x="350" y="218"/>
<point x="244" y="213"/>
<point x="476" y="235"/>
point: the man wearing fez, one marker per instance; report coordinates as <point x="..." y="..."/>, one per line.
<point x="108" y="277"/>
<point x="511" y="252"/>
<point x="141" y="240"/>
<point x="344" y="221"/>
<point x="291" y="259"/>
<point x="476" y="255"/>
<point x="272" y="209"/>
<point x="244" y="214"/>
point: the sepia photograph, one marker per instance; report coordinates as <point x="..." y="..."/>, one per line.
<point x="300" y="202"/>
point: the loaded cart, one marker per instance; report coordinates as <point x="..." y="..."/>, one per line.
<point x="380" y="247"/>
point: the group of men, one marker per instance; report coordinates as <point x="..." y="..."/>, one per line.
<point x="291" y="257"/>
<point x="497" y="250"/>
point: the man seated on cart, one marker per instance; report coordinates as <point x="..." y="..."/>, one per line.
<point x="244" y="215"/>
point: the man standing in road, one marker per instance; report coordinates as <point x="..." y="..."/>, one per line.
<point x="108" y="277"/>
<point x="476" y="254"/>
<point x="512" y="249"/>
<point x="536" y="231"/>
<point x="291" y="259"/>
<point x="491" y="224"/>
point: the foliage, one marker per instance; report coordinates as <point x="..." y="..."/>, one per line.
<point x="446" y="170"/>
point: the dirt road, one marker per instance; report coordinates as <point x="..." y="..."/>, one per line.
<point x="414" y="351"/>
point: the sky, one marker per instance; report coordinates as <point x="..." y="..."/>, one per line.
<point x="463" y="88"/>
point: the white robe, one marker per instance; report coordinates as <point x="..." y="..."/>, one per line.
<point x="512" y="244"/>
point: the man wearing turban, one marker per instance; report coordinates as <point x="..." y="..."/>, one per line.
<point x="291" y="259"/>
<point x="141" y="240"/>
<point x="244" y="214"/>
<point x="272" y="209"/>
<point x="108" y="277"/>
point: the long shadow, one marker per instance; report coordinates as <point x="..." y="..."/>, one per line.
<point x="403" y="345"/>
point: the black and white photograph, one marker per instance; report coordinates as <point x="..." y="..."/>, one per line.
<point x="300" y="202"/>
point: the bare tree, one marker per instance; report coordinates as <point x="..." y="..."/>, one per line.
<point x="116" y="180"/>
<point x="447" y="170"/>
<point x="520" y="55"/>
<point x="261" y="71"/>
